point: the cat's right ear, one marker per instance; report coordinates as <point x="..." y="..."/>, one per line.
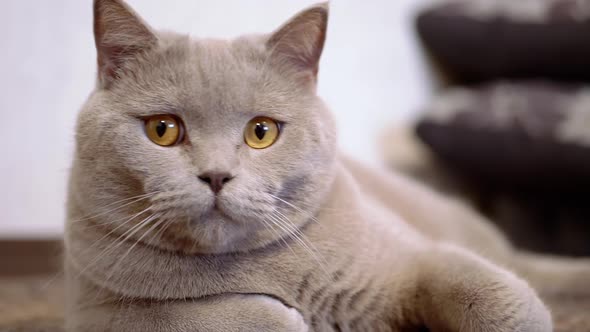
<point x="119" y="34"/>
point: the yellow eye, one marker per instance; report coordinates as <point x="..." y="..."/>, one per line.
<point x="164" y="130"/>
<point x="261" y="132"/>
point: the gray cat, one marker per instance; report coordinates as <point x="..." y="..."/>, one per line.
<point x="207" y="194"/>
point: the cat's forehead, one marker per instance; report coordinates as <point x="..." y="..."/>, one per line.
<point x="211" y="63"/>
<point x="238" y="57"/>
<point x="193" y="77"/>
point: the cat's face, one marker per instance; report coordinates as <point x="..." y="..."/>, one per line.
<point x="174" y="123"/>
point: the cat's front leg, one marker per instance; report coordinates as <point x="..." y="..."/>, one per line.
<point x="459" y="291"/>
<point x="226" y="313"/>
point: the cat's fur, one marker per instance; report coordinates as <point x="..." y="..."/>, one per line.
<point x="300" y="239"/>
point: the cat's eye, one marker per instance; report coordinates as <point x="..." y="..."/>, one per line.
<point x="261" y="132"/>
<point x="164" y="130"/>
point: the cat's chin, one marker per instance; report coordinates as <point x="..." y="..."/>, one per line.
<point x="215" y="215"/>
<point x="215" y="232"/>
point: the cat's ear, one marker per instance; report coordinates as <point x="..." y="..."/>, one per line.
<point x="119" y="34"/>
<point x="300" y="41"/>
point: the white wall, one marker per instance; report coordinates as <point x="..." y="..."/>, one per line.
<point x="371" y="75"/>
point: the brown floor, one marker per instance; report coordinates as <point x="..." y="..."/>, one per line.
<point x="29" y="257"/>
<point x="30" y="289"/>
<point x="31" y="292"/>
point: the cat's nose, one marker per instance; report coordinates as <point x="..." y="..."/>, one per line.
<point x="215" y="180"/>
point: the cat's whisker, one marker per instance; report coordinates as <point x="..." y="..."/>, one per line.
<point x="158" y="233"/>
<point x="117" y="244"/>
<point x="297" y="230"/>
<point x="269" y="226"/>
<point x="137" y="227"/>
<point x="330" y="211"/>
<point x="287" y="226"/>
<point x="195" y="243"/>
<point x="112" y="222"/>
<point x="311" y="251"/>
<point x="274" y="221"/>
<point x="154" y="226"/>
<point x="118" y="227"/>
<point x="106" y="250"/>
<point x="120" y="240"/>
<point x="134" y="199"/>
<point x="52" y="279"/>
<point x="312" y="217"/>
<point x="293" y="230"/>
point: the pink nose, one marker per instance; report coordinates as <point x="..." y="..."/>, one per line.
<point x="216" y="181"/>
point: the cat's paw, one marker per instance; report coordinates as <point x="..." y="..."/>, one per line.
<point x="280" y="317"/>
<point x="294" y="322"/>
<point x="467" y="293"/>
<point x="507" y="308"/>
<point x="536" y="318"/>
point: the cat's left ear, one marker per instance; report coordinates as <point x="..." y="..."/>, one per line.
<point x="299" y="42"/>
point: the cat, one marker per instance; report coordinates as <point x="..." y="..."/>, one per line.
<point x="207" y="194"/>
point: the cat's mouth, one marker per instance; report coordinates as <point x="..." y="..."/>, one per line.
<point x="218" y="211"/>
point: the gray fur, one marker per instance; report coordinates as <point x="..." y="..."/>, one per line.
<point x="337" y="247"/>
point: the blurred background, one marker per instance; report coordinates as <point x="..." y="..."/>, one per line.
<point x="486" y="101"/>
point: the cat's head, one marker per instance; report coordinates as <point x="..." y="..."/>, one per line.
<point x="200" y="145"/>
